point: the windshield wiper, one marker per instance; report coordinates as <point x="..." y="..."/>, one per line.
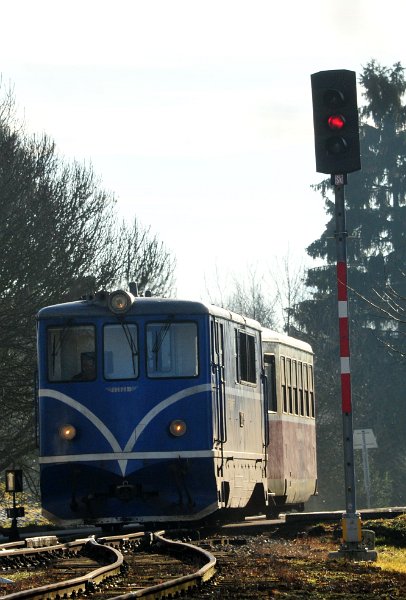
<point x="132" y="345"/>
<point x="57" y="346"/>
<point x="159" y="339"/>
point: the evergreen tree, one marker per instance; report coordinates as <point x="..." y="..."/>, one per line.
<point x="376" y="254"/>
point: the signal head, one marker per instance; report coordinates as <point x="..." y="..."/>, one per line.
<point x="335" y="117"/>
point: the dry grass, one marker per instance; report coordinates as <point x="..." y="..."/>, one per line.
<point x="391" y="558"/>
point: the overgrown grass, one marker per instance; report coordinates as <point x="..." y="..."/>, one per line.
<point x="391" y="558"/>
<point x="390" y="542"/>
<point x="388" y="531"/>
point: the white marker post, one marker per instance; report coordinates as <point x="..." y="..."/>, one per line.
<point x="364" y="439"/>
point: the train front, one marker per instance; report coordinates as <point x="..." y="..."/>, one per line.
<point x="125" y="411"/>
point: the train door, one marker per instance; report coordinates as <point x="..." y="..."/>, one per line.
<point x="218" y="381"/>
<point x="270" y="391"/>
<point x="271" y="399"/>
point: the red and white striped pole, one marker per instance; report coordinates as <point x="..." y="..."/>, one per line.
<point x="344" y="336"/>
<point x="351" y="519"/>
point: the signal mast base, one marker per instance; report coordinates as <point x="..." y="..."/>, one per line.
<point x="357" y="544"/>
<point x="354" y="552"/>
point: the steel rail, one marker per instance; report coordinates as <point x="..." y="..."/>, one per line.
<point x="179" y="584"/>
<point x="79" y="584"/>
<point x="107" y="552"/>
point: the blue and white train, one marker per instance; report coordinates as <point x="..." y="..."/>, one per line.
<point x="156" y="410"/>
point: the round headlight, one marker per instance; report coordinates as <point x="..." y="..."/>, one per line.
<point x="120" y="301"/>
<point x="177" y="428"/>
<point x="67" y="432"/>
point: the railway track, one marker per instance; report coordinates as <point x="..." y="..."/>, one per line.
<point x="115" y="567"/>
<point x="254" y="558"/>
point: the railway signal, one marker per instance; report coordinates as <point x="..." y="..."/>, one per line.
<point x="336" y="135"/>
<point x="14" y="484"/>
<point x="335" y="118"/>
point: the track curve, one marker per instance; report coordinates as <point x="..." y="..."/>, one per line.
<point x="109" y="554"/>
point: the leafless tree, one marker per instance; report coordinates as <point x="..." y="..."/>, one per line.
<point x="389" y="306"/>
<point x="246" y="295"/>
<point x="59" y="239"/>
<point x="289" y="282"/>
<point x="270" y="299"/>
<point x="248" y="298"/>
<point x="146" y="261"/>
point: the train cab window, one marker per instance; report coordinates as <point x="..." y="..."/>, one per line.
<point x="120" y="351"/>
<point x="71" y="353"/>
<point x="245" y="355"/>
<point x="172" y="350"/>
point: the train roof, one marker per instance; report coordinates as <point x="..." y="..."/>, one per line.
<point x="268" y="335"/>
<point x="149" y="306"/>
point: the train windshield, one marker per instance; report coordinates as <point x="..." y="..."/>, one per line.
<point x="120" y="351"/>
<point x="172" y="349"/>
<point x="71" y="353"/>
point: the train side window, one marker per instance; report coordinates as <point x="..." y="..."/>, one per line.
<point x="311" y="392"/>
<point x="246" y="361"/>
<point x="221" y="345"/>
<point x="71" y="353"/>
<point x="120" y="351"/>
<point x="269" y="363"/>
<point x="294" y="388"/>
<point x="306" y="390"/>
<point x="289" y="383"/>
<point x="172" y="350"/>
<point x="300" y="387"/>
<point x="283" y="385"/>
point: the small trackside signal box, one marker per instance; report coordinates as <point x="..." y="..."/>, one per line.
<point x="16" y="512"/>
<point x="14" y="480"/>
<point x="335" y="117"/>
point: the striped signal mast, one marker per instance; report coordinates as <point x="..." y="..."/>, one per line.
<point x="336" y="134"/>
<point x="351" y="521"/>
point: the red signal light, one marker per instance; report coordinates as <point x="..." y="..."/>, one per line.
<point x="336" y="122"/>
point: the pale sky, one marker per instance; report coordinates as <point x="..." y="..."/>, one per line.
<point x="195" y="114"/>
